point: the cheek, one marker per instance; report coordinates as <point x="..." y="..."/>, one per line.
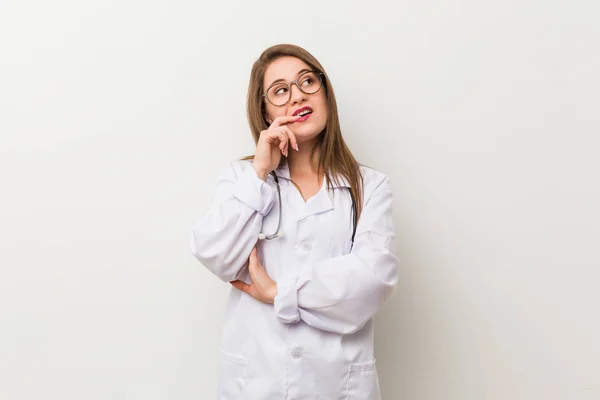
<point x="275" y="112"/>
<point x="323" y="106"/>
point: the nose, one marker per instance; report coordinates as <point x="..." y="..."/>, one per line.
<point x="296" y="95"/>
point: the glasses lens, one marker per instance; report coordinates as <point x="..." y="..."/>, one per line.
<point x="309" y="82"/>
<point x="279" y="94"/>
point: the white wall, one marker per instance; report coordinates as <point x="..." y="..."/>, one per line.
<point x="117" y="116"/>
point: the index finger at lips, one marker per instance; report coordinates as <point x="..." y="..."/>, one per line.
<point x="279" y="121"/>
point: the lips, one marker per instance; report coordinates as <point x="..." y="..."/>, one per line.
<point x="302" y="110"/>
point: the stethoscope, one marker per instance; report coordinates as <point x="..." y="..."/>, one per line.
<point x="278" y="233"/>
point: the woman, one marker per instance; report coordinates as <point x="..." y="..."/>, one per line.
<point x="305" y="235"/>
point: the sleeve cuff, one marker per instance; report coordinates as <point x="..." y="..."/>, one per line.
<point x="254" y="192"/>
<point x="286" y="303"/>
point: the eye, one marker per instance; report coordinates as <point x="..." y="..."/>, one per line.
<point x="307" y="81"/>
<point x="279" y="91"/>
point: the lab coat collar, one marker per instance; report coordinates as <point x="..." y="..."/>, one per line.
<point x="320" y="202"/>
<point x="283" y="171"/>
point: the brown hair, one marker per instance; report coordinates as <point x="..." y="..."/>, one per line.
<point x="335" y="158"/>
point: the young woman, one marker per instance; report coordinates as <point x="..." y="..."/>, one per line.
<point x="305" y="235"/>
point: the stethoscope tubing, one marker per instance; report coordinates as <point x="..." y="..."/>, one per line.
<point x="278" y="233"/>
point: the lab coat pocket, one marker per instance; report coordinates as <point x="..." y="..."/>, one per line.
<point x="232" y="376"/>
<point x="363" y="383"/>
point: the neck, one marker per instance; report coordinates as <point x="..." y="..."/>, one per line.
<point x="299" y="162"/>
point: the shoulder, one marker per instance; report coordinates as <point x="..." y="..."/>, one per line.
<point x="237" y="167"/>
<point x="232" y="171"/>
<point x="374" y="181"/>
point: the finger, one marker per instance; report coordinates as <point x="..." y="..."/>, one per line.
<point x="292" y="137"/>
<point x="242" y="286"/>
<point x="285" y="119"/>
<point x="273" y="136"/>
<point x="262" y="284"/>
<point x="252" y="272"/>
<point x="253" y="264"/>
<point x="253" y="259"/>
<point x="256" y="269"/>
<point x="283" y="140"/>
<point x="258" y="273"/>
<point x="239" y="285"/>
<point x="250" y="290"/>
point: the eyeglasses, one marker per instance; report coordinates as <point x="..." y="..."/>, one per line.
<point x="279" y="93"/>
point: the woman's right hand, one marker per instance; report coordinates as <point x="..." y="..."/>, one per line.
<point x="272" y="143"/>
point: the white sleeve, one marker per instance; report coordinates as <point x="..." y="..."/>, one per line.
<point x="223" y="239"/>
<point x="343" y="293"/>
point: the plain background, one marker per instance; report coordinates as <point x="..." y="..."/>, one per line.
<point x="116" y="118"/>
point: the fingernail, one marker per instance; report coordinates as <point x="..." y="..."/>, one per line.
<point x="297" y="149"/>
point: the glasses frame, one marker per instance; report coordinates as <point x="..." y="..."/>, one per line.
<point x="320" y="75"/>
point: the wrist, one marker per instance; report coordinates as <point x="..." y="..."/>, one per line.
<point x="271" y="293"/>
<point x="261" y="172"/>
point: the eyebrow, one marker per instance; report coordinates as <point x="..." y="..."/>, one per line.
<point x="283" y="80"/>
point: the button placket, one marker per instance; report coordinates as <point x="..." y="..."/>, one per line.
<point x="297" y="353"/>
<point x="306" y="246"/>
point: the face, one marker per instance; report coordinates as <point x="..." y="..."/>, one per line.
<point x="310" y="126"/>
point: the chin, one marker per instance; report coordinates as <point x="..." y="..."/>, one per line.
<point x="307" y="134"/>
<point x="307" y="130"/>
<point x="309" y="139"/>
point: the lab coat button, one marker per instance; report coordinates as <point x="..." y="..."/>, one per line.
<point x="297" y="353"/>
<point x="306" y="246"/>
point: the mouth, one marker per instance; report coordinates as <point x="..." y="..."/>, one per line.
<point x="304" y="113"/>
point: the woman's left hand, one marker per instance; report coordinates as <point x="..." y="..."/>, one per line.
<point x="263" y="288"/>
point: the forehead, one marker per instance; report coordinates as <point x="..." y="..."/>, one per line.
<point x="284" y="68"/>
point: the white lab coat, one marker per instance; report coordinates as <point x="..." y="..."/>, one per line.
<point x="316" y="341"/>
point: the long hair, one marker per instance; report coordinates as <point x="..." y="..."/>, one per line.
<point x="335" y="158"/>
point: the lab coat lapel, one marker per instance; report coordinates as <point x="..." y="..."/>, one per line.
<point x="319" y="203"/>
<point x="292" y="199"/>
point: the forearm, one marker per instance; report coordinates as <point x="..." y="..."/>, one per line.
<point x="340" y="295"/>
<point x="223" y="239"/>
